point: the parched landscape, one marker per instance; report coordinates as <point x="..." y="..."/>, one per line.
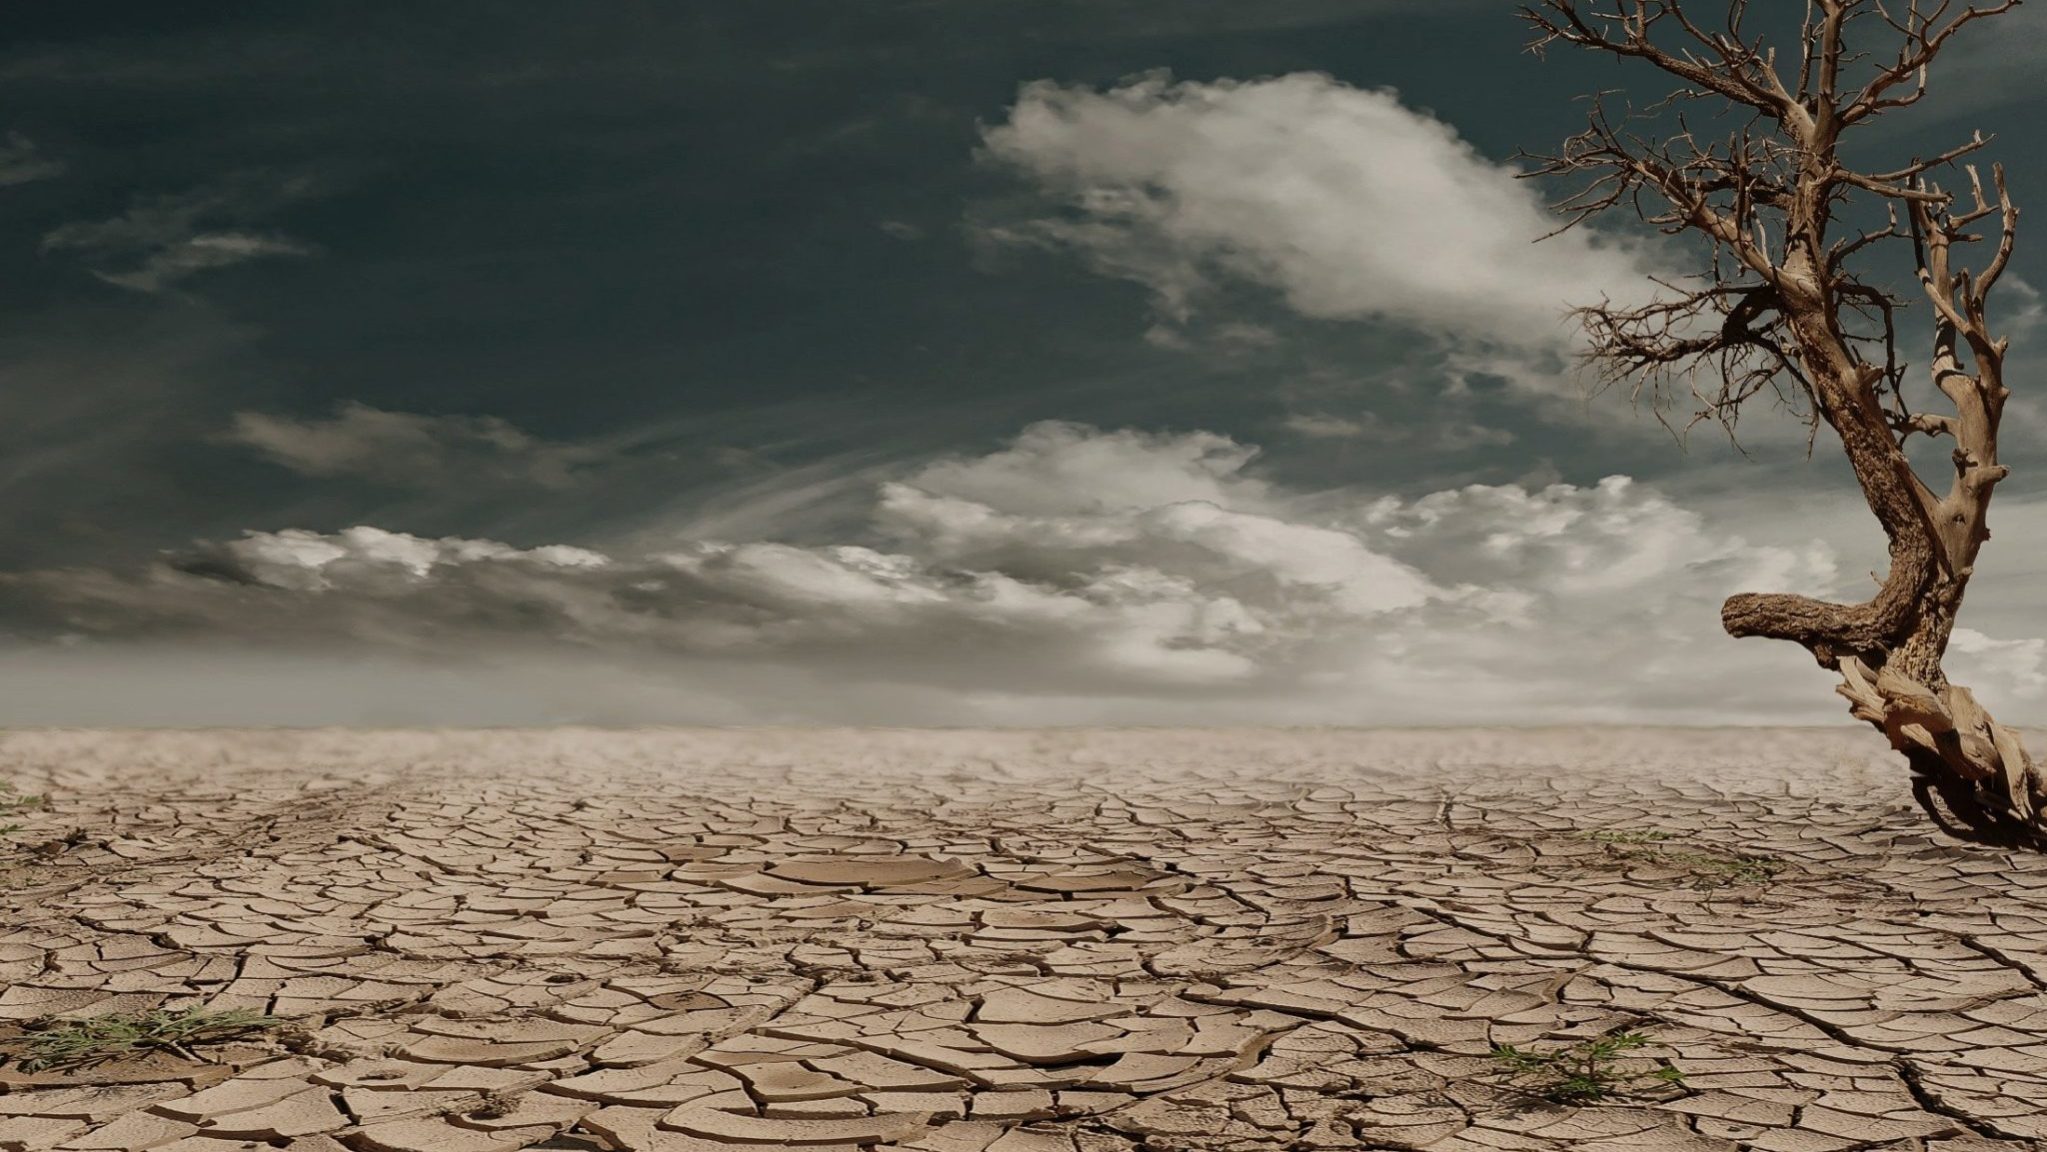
<point x="1019" y="941"/>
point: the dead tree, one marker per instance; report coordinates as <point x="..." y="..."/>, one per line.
<point x="1791" y="302"/>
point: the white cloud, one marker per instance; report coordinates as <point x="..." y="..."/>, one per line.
<point x="316" y="562"/>
<point x="22" y="162"/>
<point x="1074" y="576"/>
<point x="1345" y="201"/>
<point x="406" y="447"/>
<point x="1054" y="468"/>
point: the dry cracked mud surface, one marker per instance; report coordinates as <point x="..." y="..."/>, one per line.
<point x="1015" y="942"/>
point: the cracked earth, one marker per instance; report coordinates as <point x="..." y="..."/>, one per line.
<point x="1014" y="942"/>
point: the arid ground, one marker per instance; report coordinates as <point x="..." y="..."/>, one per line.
<point x="1014" y="941"/>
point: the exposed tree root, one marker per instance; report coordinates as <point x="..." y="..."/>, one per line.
<point x="1973" y="773"/>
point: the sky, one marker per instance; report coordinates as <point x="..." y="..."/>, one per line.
<point x="894" y="362"/>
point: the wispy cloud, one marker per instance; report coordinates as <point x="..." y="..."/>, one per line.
<point x="1322" y="426"/>
<point x="1991" y="65"/>
<point x="2026" y="310"/>
<point x="1451" y="435"/>
<point x="21" y="162"/>
<point x="162" y="240"/>
<point x="408" y="448"/>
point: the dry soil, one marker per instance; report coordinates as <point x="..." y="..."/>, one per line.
<point x="1015" y="942"/>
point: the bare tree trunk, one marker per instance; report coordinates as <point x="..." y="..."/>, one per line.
<point x="1781" y="303"/>
<point x="1890" y="650"/>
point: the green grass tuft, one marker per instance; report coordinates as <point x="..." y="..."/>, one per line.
<point x="72" y="1044"/>
<point x="1584" y="1073"/>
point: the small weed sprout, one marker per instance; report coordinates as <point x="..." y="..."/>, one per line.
<point x="1584" y="1073"/>
<point x="1707" y="869"/>
<point x="497" y="1104"/>
<point x="1626" y="835"/>
<point x="1727" y="871"/>
<point x="71" y="1044"/>
<point x="12" y="803"/>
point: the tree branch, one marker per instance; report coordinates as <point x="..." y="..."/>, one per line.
<point x="1923" y="38"/>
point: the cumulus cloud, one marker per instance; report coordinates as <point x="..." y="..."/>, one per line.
<point x="163" y="240"/>
<point x="22" y="162"/>
<point x="406" y="447"/>
<point x="1075" y="575"/>
<point x="1345" y="201"/>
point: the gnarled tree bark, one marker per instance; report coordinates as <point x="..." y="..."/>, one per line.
<point x="1782" y="309"/>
